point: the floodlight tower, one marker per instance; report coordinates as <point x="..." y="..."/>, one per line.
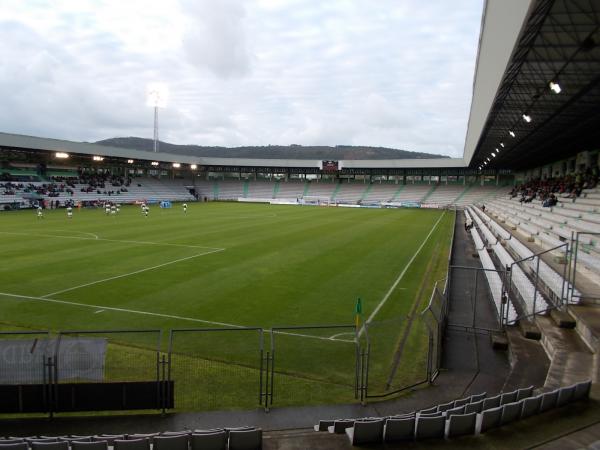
<point x="157" y="94"/>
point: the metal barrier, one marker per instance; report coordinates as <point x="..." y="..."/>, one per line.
<point x="217" y="368"/>
<point x="86" y="362"/>
<point x="537" y="288"/>
<point x="435" y="318"/>
<point x="24" y="373"/>
<point x="583" y="244"/>
<point x="313" y="364"/>
<point x="478" y="298"/>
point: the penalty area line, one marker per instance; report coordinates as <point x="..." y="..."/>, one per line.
<point x="152" y="314"/>
<point x="135" y="272"/>
<point x="397" y="281"/>
<point x="96" y="238"/>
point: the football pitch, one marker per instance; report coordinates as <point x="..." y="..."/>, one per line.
<point x="230" y="265"/>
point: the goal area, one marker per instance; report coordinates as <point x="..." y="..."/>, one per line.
<point x="315" y="200"/>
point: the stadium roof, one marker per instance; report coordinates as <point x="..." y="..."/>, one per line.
<point x="558" y="42"/>
<point x="524" y="45"/>
<point x="18" y="141"/>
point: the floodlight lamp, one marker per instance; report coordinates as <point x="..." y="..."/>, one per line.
<point x="497" y="150"/>
<point x="97" y="158"/>
<point x="154" y="163"/>
<point x="61" y="155"/>
<point x="488" y="158"/>
<point x="502" y="144"/>
<point x="555" y="87"/>
<point x="512" y="133"/>
<point x="157" y="95"/>
<point x="493" y="155"/>
<point x="176" y="165"/>
<point x="193" y="167"/>
<point x="527" y="118"/>
<point x="130" y="161"/>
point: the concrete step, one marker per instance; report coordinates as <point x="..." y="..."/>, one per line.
<point x="562" y="319"/>
<point x="571" y="360"/>
<point x="587" y="324"/>
<point x="529" y="330"/>
<point x="528" y="360"/>
<point x="499" y="341"/>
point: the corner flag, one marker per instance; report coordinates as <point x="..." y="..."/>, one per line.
<point x="358" y="311"/>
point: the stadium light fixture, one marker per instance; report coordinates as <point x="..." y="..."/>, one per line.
<point x="497" y="150"/>
<point x="502" y="144"/>
<point x="193" y="167"/>
<point x="555" y="87"/>
<point x="130" y="161"/>
<point x="97" y="158"/>
<point x="488" y="158"/>
<point x="176" y="165"/>
<point x="61" y="155"/>
<point x="527" y="118"/>
<point x="512" y="133"/>
<point x="493" y="155"/>
<point x="154" y="163"/>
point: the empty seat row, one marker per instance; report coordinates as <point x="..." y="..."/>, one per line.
<point x="465" y="419"/>
<point x="531" y="302"/>
<point x="495" y="283"/>
<point x="552" y="279"/>
<point x="245" y="438"/>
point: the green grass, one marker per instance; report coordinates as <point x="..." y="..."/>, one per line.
<point x="268" y="266"/>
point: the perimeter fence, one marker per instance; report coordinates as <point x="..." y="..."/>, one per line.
<point x="219" y="368"/>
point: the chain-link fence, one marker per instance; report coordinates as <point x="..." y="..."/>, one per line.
<point x="313" y="365"/>
<point x="217" y="368"/>
<point x="24" y="371"/>
<point x="122" y="364"/>
<point x="476" y="298"/>
<point x="434" y="317"/>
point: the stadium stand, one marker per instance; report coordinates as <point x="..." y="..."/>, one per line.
<point x="472" y="415"/>
<point x="241" y="438"/>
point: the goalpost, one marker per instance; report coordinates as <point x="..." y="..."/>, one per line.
<point x="315" y="200"/>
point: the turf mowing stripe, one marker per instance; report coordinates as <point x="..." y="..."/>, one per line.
<point x="116" y="277"/>
<point x="168" y="316"/>
<point x="389" y="292"/>
<point x="108" y="240"/>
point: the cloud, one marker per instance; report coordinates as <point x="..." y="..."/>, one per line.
<point x="390" y="73"/>
<point x="215" y="38"/>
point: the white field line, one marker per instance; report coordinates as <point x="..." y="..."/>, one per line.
<point x="108" y="240"/>
<point x="147" y="313"/>
<point x="389" y="292"/>
<point x="333" y="338"/>
<point x="116" y="277"/>
<point x="95" y="236"/>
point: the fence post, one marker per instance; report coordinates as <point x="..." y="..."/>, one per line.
<point x="474" y="297"/>
<point x="430" y="358"/>
<point x="535" y="286"/>
<point x="163" y="384"/>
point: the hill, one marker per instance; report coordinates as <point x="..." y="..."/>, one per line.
<point x="271" y="151"/>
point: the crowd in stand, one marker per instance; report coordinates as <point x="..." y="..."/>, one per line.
<point x="546" y="190"/>
<point x="63" y="184"/>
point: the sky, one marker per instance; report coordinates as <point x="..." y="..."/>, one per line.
<point x="392" y="73"/>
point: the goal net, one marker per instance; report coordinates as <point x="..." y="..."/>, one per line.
<point x="317" y="200"/>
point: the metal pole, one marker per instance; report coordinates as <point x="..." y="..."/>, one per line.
<point x="260" y="376"/>
<point x="535" y="286"/>
<point x="475" y="298"/>
<point x="164" y="390"/>
<point x="575" y="260"/>
<point x="565" y="282"/>
<point x="156" y="129"/>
